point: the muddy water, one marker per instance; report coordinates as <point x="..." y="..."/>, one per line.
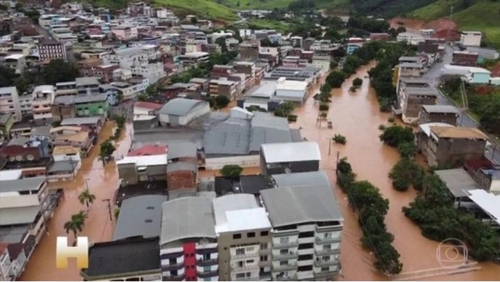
<point x="102" y="182"/>
<point x="357" y="117"/>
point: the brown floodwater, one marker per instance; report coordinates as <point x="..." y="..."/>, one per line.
<point x="357" y="117"/>
<point x="102" y="182"/>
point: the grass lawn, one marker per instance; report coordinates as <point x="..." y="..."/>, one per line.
<point x="279" y="26"/>
<point x="203" y="8"/>
<point x="435" y="10"/>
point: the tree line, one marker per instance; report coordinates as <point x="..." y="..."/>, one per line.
<point x="371" y="209"/>
<point x="433" y="209"/>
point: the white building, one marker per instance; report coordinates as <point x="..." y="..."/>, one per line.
<point x="471" y="38"/>
<point x="410" y="38"/>
<point x="322" y="62"/>
<point x="9" y="102"/>
<point x="130" y="90"/>
<point x="140" y="60"/>
<point x="307" y="226"/>
<point x="291" y="90"/>
<point x="188" y="242"/>
<point x="180" y="112"/>
<point x="244" y="248"/>
<point x="43" y="98"/>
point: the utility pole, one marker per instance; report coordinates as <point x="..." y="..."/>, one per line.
<point x="329" y="146"/>
<point x="449" y="29"/>
<point x="337" y="165"/>
<point x="109" y="208"/>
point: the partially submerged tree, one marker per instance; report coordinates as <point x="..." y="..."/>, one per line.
<point x="76" y="223"/>
<point x="86" y="198"/>
<point x="231" y="171"/>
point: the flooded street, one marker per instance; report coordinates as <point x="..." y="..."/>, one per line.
<point x="101" y="182"/>
<point x="357" y="117"/>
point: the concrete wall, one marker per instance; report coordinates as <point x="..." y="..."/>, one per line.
<point x="243" y="161"/>
<point x="454" y="152"/>
<point x="279" y="168"/>
<point x="449" y="118"/>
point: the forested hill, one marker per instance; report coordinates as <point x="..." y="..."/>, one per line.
<point x="388" y="8"/>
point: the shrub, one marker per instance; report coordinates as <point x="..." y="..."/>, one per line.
<point x="292" y="118"/>
<point x="395" y="135"/>
<point x="381" y="127"/>
<point x="339" y="139"/>
<point x="324" y="107"/>
<point x="391" y="119"/>
<point x="407" y="149"/>
<point x="221" y="101"/>
<point x="352" y="89"/>
<point x="357" y="82"/>
<point x="231" y="171"/>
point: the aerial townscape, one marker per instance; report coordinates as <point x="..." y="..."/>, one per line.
<point x="270" y="140"/>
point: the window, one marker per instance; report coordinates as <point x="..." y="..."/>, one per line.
<point x="306" y="234"/>
<point x="240" y="251"/>
<point x="284" y="252"/>
<point x="325" y="258"/>
<point x="263" y="246"/>
<point x="206" y="256"/>
<point x="240" y="264"/>
<point x="263" y="258"/>
<point x="236" y="236"/>
<point x="305" y="257"/>
<point x="325" y="269"/>
<point x="328" y="235"/>
<point x="251" y="235"/>
<point x="305" y="268"/>
<point x="284" y="240"/>
<point x="248" y="274"/>
<point x="172" y="261"/>
<point x="327" y="247"/>
<point x="284" y="262"/>
<point x="306" y="246"/>
<point x="173" y="272"/>
<point x="250" y="261"/>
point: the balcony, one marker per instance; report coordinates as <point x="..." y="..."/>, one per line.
<point x="245" y="255"/>
<point x="208" y="274"/>
<point x="327" y="240"/>
<point x="208" y="262"/>
<point x="285" y="267"/>
<point x="282" y="245"/>
<point x="174" y="278"/>
<point x="170" y="267"/>
<point x="322" y="263"/>
<point x="245" y="267"/>
<point x="264" y="251"/>
<point x="284" y="278"/>
<point x="288" y="255"/>
<point x="327" y="252"/>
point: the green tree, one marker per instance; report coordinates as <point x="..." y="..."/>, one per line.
<point x="76" y="223"/>
<point x="86" y="198"/>
<point x="231" y="171"/>
<point x="107" y="150"/>
<point x="221" y="101"/>
<point x="357" y="82"/>
<point x="395" y="135"/>
<point x="284" y="109"/>
<point x="59" y="71"/>
<point x="335" y="79"/>
<point x="407" y="149"/>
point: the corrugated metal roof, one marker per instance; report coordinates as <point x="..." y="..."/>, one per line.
<point x="458" y="181"/>
<point x="187" y="217"/>
<point x="300" y="198"/>
<point x="24" y="184"/>
<point x="140" y="216"/>
<point x="291" y="152"/>
<point x="230" y="137"/>
<point x="180" y="106"/>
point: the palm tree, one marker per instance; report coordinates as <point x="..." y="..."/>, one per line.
<point x="76" y="223"/>
<point x="86" y="198"/>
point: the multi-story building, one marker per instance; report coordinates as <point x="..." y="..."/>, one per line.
<point x="50" y="50"/>
<point x="87" y="86"/>
<point x="66" y="89"/>
<point x="188" y="242"/>
<point x="74" y="136"/>
<point x="43" y="98"/>
<point x="471" y="38"/>
<point x="412" y="100"/>
<point x="16" y="62"/>
<point x="9" y="102"/>
<point x="193" y="58"/>
<point x="307" y="226"/>
<point x="249" y="51"/>
<point x="222" y="86"/>
<point x="439" y="113"/>
<point x="449" y="146"/>
<point x="244" y="246"/>
<point x="130" y="90"/>
<point x="465" y="58"/>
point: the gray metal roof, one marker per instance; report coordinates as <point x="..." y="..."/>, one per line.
<point x="180" y="106"/>
<point x="43" y="131"/>
<point x="440" y="109"/>
<point x="187" y="217"/>
<point x="421" y="91"/>
<point x="18" y="141"/>
<point x="24" y="184"/>
<point x="140" y="216"/>
<point x="231" y="137"/>
<point x="300" y="198"/>
<point x="267" y="129"/>
<point x="458" y="181"/>
<point x="84" y="81"/>
<point x="62" y="166"/>
<point x="296" y="135"/>
<point x="232" y="203"/>
<point x="182" y="150"/>
<point x="182" y="166"/>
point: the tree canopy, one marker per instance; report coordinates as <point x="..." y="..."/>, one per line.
<point x="231" y="171"/>
<point x="59" y="71"/>
<point x="395" y="135"/>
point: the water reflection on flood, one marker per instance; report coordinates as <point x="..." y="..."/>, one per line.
<point x="357" y="117"/>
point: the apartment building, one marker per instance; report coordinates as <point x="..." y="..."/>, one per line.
<point x="9" y="102"/>
<point x="439" y="113"/>
<point x="412" y="100"/>
<point x="66" y="88"/>
<point x="222" y="86"/>
<point x="87" y="85"/>
<point x="131" y="90"/>
<point x="188" y="242"/>
<point x="74" y="136"/>
<point x="43" y="98"/>
<point x="307" y="226"/>
<point x="142" y="61"/>
<point x="193" y="58"/>
<point x="471" y="38"/>
<point x="124" y="32"/>
<point x="15" y="62"/>
<point x="51" y="50"/>
<point x="244" y="246"/>
<point x="135" y="169"/>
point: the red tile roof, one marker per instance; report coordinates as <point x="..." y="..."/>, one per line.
<point x="148" y="150"/>
<point x="148" y="105"/>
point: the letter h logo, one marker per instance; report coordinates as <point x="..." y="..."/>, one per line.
<point x="80" y="252"/>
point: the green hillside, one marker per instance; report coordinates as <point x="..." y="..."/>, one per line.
<point x="203" y="8"/>
<point x="271" y="4"/>
<point x="388" y="8"/>
<point x="480" y="15"/>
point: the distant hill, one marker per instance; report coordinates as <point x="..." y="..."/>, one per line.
<point x="388" y="8"/>
<point x="478" y="15"/>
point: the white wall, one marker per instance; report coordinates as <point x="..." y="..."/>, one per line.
<point x="243" y="161"/>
